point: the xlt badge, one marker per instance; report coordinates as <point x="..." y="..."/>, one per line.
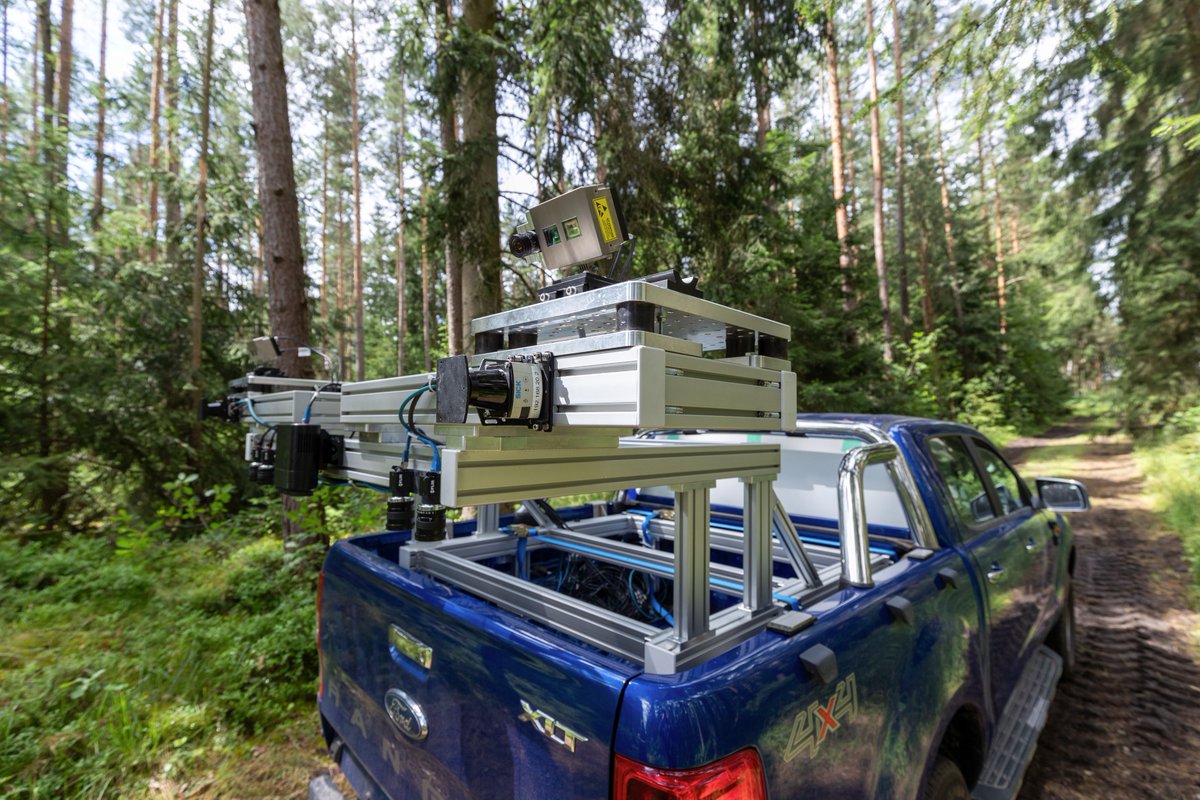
<point x="550" y="727"/>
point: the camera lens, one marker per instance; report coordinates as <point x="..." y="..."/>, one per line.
<point x="523" y="245"/>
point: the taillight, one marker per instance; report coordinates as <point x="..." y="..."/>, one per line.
<point x="735" y="777"/>
<point x="320" y="655"/>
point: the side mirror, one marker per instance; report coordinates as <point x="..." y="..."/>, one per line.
<point x="1060" y="494"/>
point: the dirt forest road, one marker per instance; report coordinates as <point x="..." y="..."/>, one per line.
<point x="1127" y="724"/>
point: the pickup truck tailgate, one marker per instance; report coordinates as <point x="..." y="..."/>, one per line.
<point x="510" y="708"/>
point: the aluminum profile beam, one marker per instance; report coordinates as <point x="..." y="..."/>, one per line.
<point x="692" y="555"/>
<point x="682" y="316"/>
<point x="475" y="477"/>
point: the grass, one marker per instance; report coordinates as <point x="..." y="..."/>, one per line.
<point x="144" y="670"/>
<point x="1170" y="460"/>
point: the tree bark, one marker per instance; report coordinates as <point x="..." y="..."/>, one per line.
<point x="1001" y="280"/>
<point x="481" y="245"/>
<point x="901" y="252"/>
<point x="288" y="299"/>
<point x="283" y="257"/>
<point x="842" y="220"/>
<point x="101" y="110"/>
<point x="173" y="212"/>
<point x="877" y="187"/>
<point x="947" y="217"/>
<point x="401" y="267"/>
<point x="325" y="217"/>
<point x="360" y="366"/>
<point x="156" y="79"/>
<point x="4" y="90"/>
<point x="426" y="314"/>
<point x="761" y="77"/>
<point x="451" y="169"/>
<point x="35" y="88"/>
<point x="343" y="351"/>
<point x="927" y="311"/>
<point x="201" y="223"/>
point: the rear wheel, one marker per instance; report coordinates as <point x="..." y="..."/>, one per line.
<point x="1062" y="638"/>
<point x="946" y="782"/>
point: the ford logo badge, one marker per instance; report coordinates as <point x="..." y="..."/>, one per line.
<point x="407" y="714"/>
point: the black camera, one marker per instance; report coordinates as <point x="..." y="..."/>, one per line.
<point x="524" y="244"/>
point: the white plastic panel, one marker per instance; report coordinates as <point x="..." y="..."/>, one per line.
<point x="807" y="482"/>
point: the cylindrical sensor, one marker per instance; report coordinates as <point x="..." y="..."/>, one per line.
<point x="524" y="244"/>
<point x="430" y="523"/>
<point x="400" y="513"/>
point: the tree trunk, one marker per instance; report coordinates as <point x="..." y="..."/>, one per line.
<point x="325" y="218"/>
<point x="426" y="314"/>
<point x="35" y="90"/>
<point x="360" y="365"/>
<point x="1001" y="281"/>
<point x="201" y="224"/>
<point x="288" y="303"/>
<point x="101" y="109"/>
<point x="156" y="79"/>
<point x="845" y="261"/>
<point x="901" y="252"/>
<point x="877" y="186"/>
<point x="947" y="217"/>
<point x="401" y="267"/>
<point x="481" y="242"/>
<point x="283" y="257"/>
<point x="4" y="90"/>
<point x="927" y="311"/>
<point x="174" y="212"/>
<point x="46" y="34"/>
<point x="62" y="111"/>
<point x="448" y="125"/>
<point x="343" y="350"/>
<point x="761" y="77"/>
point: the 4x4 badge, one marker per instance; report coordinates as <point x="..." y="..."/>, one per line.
<point x="407" y="714"/>
<point x="814" y="723"/>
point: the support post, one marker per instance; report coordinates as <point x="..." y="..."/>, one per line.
<point x="757" y="557"/>
<point x="691" y="559"/>
<point x="487" y="518"/>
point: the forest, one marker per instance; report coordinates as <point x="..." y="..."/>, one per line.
<point x="974" y="211"/>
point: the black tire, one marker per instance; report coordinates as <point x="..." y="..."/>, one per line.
<point x="1062" y="637"/>
<point x="946" y="782"/>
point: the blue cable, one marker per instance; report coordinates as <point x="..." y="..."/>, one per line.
<point x="250" y="405"/>
<point x="521" y="545"/>
<point x="437" y="453"/>
<point x="657" y="606"/>
<point x="649" y="566"/>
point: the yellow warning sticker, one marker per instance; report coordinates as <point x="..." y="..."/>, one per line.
<point x="608" y="228"/>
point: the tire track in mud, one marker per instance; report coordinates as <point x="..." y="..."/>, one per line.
<point x="1127" y="723"/>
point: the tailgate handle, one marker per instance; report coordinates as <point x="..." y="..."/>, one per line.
<point x="410" y="646"/>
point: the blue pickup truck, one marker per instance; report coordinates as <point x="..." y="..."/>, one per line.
<point x="917" y="660"/>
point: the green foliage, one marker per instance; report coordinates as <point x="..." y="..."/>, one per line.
<point x="117" y="668"/>
<point x="1170" y="459"/>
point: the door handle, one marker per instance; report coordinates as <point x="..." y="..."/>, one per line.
<point x="995" y="573"/>
<point x="1032" y="546"/>
<point x="949" y="578"/>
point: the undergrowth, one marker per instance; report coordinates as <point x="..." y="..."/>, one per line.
<point x="1170" y="459"/>
<point x="133" y="658"/>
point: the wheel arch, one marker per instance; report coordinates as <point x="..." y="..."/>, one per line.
<point x="963" y="741"/>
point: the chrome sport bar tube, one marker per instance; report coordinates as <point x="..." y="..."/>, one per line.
<point x="852" y="510"/>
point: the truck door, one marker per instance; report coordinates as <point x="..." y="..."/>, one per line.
<point x="1034" y="532"/>
<point x="995" y="538"/>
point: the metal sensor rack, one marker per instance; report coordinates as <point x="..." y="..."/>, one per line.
<point x="628" y="357"/>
